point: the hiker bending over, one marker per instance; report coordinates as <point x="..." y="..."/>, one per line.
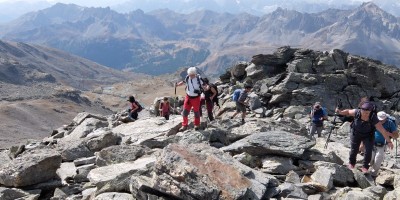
<point x="210" y="96"/>
<point x="362" y="130"/>
<point x="192" y="99"/>
<point x="318" y="115"/>
<point x="133" y="110"/>
<point x="378" y="152"/>
<point x="241" y="102"/>
<point x="165" y="108"/>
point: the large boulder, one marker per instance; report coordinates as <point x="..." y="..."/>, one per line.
<point x="29" y="168"/>
<point x="199" y="171"/>
<point x="273" y="142"/>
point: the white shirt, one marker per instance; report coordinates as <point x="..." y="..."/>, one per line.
<point x="193" y="84"/>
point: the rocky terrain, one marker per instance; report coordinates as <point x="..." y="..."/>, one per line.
<point x="43" y="88"/>
<point x="271" y="156"/>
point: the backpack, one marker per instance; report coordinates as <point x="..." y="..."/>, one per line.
<point x="215" y="100"/>
<point x="140" y="107"/>
<point x="198" y="77"/>
<point x="379" y="139"/>
<point x="236" y="94"/>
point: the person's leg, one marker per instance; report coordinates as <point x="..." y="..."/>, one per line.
<point x="378" y="156"/>
<point x="354" y="146"/>
<point x="167" y="116"/>
<point x="237" y="110"/>
<point x="202" y="102"/>
<point x="319" y="130"/>
<point x="369" y="145"/>
<point x="196" y="105"/>
<point x="210" y="106"/>
<point x="313" y="129"/>
<point x="186" y="110"/>
<point x="134" y="115"/>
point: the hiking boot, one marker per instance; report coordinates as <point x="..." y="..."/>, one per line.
<point x="350" y="166"/>
<point x="364" y="170"/>
<point x="183" y="128"/>
<point x="196" y="128"/>
<point x="243" y="121"/>
<point x="230" y="117"/>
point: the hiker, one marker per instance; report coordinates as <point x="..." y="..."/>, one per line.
<point x="192" y="99"/>
<point x="133" y="111"/>
<point x="362" y="130"/>
<point x="318" y="114"/>
<point x="378" y="153"/>
<point x="165" y="108"/>
<point x="241" y="101"/>
<point x="210" y="97"/>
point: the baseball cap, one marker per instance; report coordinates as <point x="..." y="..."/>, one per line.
<point x="382" y="115"/>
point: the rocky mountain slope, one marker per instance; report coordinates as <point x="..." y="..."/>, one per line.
<point x="161" y="41"/>
<point x="271" y="156"/>
<point x="41" y="88"/>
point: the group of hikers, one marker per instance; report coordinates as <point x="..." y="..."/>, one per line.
<point x="199" y="92"/>
<point x="195" y="87"/>
<point x="371" y="132"/>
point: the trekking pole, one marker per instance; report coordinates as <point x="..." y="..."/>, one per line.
<point x="175" y="98"/>
<point x="311" y="116"/>
<point x="338" y="105"/>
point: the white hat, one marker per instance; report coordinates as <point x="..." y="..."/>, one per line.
<point x="382" y="115"/>
<point x="192" y="70"/>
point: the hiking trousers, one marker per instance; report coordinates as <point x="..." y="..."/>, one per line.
<point x="315" y="128"/>
<point x="355" y="141"/>
<point x="378" y="155"/>
<point x="210" y="106"/>
<point x="188" y="104"/>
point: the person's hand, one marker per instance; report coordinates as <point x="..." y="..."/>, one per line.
<point x="390" y="145"/>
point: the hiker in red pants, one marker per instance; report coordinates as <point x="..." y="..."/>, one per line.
<point x="194" y="89"/>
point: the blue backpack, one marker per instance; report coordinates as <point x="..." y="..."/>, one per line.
<point x="236" y="95"/>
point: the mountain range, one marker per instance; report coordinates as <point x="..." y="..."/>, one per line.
<point x="161" y="41"/>
<point x="42" y="88"/>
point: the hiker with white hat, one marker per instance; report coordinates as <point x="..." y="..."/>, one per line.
<point x="378" y="153"/>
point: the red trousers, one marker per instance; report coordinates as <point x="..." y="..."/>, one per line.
<point x="189" y="103"/>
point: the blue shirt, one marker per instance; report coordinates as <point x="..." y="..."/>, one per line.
<point x="390" y="126"/>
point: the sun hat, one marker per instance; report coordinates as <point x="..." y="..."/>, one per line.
<point x="382" y="115"/>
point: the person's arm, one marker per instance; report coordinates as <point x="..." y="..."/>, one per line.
<point x="214" y="93"/>
<point x="346" y="112"/>
<point x="134" y="107"/>
<point x="180" y="83"/>
<point x="325" y="114"/>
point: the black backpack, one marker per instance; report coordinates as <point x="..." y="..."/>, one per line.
<point x="140" y="107"/>
<point x="215" y="100"/>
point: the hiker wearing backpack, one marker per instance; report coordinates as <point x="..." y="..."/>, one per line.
<point x="240" y="97"/>
<point x="135" y="108"/>
<point x="318" y="114"/>
<point x="378" y="152"/>
<point x="194" y="89"/>
<point x="210" y="97"/>
<point x="362" y="130"/>
<point x="165" y="108"/>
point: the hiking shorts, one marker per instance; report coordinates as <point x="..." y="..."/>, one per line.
<point x="240" y="107"/>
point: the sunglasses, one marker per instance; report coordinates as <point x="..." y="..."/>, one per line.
<point x="364" y="109"/>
